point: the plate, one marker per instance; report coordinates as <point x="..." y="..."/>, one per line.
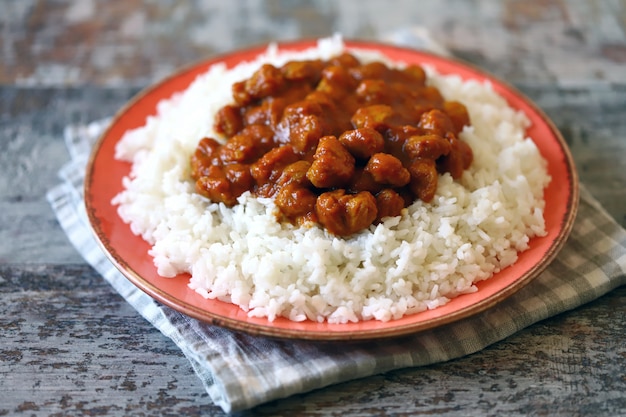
<point x="130" y="253"/>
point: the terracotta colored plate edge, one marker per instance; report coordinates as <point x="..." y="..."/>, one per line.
<point x="262" y="330"/>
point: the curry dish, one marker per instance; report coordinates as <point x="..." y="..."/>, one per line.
<point x="337" y="142"/>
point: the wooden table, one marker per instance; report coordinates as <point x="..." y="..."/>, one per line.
<point x="69" y="345"/>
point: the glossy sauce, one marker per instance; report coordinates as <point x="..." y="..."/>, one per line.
<point x="336" y="142"/>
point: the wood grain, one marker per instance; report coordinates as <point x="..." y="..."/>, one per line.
<point x="72" y="346"/>
<point x="120" y="42"/>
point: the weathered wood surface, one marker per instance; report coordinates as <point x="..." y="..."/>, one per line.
<point x="130" y="42"/>
<point x="70" y="346"/>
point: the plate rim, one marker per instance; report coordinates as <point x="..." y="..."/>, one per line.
<point x="267" y="329"/>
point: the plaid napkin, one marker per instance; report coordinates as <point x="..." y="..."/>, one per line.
<point x="241" y="371"/>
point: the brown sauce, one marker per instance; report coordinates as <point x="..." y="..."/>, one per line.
<point x="336" y="142"/>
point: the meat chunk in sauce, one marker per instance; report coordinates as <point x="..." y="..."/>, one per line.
<point x="265" y="82"/>
<point x="307" y="71"/>
<point x="332" y="166"/>
<point x="458" y="159"/>
<point x="339" y="142"/>
<point x="387" y="169"/>
<point x="376" y="116"/>
<point x="389" y="204"/>
<point x="427" y="146"/>
<point x="296" y="202"/>
<point x="228" y="120"/>
<point x="224" y="184"/>
<point x="267" y="169"/>
<point x="423" y="178"/>
<point x="436" y="122"/>
<point x="248" y="145"/>
<point x="204" y="157"/>
<point x="458" y="115"/>
<point x="344" y="214"/>
<point x="304" y="125"/>
<point x="362" y="143"/>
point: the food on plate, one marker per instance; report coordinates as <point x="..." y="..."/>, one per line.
<point x="243" y="221"/>
<point x="337" y="142"/>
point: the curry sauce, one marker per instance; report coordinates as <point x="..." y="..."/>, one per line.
<point x="337" y="142"/>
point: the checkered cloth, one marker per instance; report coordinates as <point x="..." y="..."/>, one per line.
<point x="241" y="371"/>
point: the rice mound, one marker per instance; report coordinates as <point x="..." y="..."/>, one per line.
<point x="472" y="229"/>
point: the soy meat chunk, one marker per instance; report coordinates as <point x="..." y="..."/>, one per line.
<point x="267" y="113"/>
<point x="239" y="177"/>
<point x="214" y="185"/>
<point x="241" y="96"/>
<point x="436" y="122"/>
<point x="363" y="181"/>
<point x="238" y="149"/>
<point x="310" y="71"/>
<point x="426" y="146"/>
<point x="248" y="145"/>
<point x="338" y="76"/>
<point x="295" y="173"/>
<point x="304" y="125"/>
<point x="266" y="81"/>
<point x="429" y="96"/>
<point x="223" y="184"/>
<point x="346" y="60"/>
<point x="301" y="108"/>
<point x="389" y="204"/>
<point x="294" y="200"/>
<point x="322" y="100"/>
<point x="416" y="74"/>
<point x="207" y="147"/>
<point x="396" y="136"/>
<point x="269" y="167"/>
<point x="424" y="178"/>
<point x="306" y="133"/>
<point x="203" y="157"/>
<point x="374" y="92"/>
<point x="387" y="169"/>
<point x="336" y="82"/>
<point x="362" y="143"/>
<point x="228" y="120"/>
<point x="377" y="117"/>
<point x="344" y="214"/>
<point x="332" y="166"/>
<point x="458" y="114"/>
<point x="459" y="158"/>
<point x="372" y="70"/>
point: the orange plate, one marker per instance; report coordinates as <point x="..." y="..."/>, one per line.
<point x="130" y="253"/>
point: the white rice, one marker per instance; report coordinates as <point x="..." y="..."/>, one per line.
<point x="472" y="229"/>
